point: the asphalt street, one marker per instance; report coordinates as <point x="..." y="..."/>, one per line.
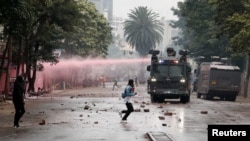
<point x="91" y="114"/>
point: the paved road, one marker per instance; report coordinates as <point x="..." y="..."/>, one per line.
<point x="91" y="114"/>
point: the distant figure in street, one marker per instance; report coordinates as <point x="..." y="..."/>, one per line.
<point x="103" y="79"/>
<point x="136" y="81"/>
<point x="115" y="84"/>
<point x="18" y="99"/>
<point x="128" y="92"/>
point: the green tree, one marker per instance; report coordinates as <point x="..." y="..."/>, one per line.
<point x="232" y="19"/>
<point x="196" y="20"/>
<point x="11" y="26"/>
<point x="92" y="36"/>
<point x="47" y="21"/>
<point x="143" y="31"/>
<point x="42" y="26"/>
<point x="236" y="25"/>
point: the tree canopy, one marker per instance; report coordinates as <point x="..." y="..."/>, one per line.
<point x="35" y="28"/>
<point x="213" y="27"/>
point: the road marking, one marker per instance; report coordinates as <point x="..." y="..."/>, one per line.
<point x="159" y="136"/>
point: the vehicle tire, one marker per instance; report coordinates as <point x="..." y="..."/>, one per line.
<point x="188" y="98"/>
<point x="208" y="97"/>
<point x="198" y="95"/>
<point x="153" y="98"/>
<point x="184" y="99"/>
<point x="160" y="99"/>
<point x="231" y="98"/>
<point x="222" y="98"/>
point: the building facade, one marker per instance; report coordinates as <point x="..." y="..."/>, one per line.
<point x="105" y="7"/>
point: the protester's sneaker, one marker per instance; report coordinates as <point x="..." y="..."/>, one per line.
<point x="124" y="121"/>
<point x="120" y="114"/>
<point x="16" y="126"/>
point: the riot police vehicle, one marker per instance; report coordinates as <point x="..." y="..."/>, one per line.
<point x="217" y="79"/>
<point x="169" y="76"/>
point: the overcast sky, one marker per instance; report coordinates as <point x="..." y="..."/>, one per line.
<point x="121" y="8"/>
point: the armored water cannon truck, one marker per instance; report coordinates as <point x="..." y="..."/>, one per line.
<point x="169" y="76"/>
<point x="218" y="79"/>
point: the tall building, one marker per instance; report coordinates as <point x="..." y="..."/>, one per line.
<point x="105" y="7"/>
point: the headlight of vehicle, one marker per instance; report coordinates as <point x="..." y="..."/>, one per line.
<point x="153" y="79"/>
<point x="182" y="80"/>
<point x="213" y="82"/>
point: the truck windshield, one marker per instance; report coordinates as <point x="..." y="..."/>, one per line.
<point x="167" y="70"/>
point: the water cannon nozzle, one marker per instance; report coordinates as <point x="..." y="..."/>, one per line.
<point x="171" y="52"/>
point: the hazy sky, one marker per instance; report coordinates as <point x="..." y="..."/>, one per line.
<point x="121" y="8"/>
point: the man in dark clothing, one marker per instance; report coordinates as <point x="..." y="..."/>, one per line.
<point x="18" y="99"/>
